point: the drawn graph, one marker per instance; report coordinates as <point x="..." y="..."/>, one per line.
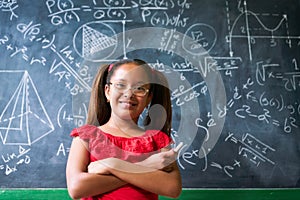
<point x="24" y="119"/>
<point x="251" y="26"/>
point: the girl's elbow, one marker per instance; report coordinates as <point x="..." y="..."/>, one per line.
<point x="174" y="191"/>
<point x="73" y="194"/>
<point x="74" y="189"/>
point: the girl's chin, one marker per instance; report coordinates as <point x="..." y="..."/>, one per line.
<point x="130" y="115"/>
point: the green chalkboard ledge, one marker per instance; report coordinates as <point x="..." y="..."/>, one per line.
<point x="187" y="194"/>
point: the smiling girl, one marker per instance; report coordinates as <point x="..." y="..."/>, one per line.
<point x="111" y="157"/>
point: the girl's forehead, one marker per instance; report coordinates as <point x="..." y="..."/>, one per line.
<point x="131" y="71"/>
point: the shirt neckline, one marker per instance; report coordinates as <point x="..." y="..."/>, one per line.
<point x="121" y="137"/>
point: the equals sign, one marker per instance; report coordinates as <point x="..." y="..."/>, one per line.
<point x="86" y="8"/>
<point x="279" y="75"/>
<point x="230" y="103"/>
<point x="275" y="122"/>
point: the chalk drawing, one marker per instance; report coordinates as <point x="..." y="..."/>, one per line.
<point x="22" y="113"/>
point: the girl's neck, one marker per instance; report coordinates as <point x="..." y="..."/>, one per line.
<point x="124" y="124"/>
<point x="125" y="128"/>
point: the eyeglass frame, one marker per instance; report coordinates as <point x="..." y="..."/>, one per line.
<point x="129" y="88"/>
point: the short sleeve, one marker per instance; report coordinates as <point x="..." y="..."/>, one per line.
<point x="85" y="132"/>
<point x="160" y="139"/>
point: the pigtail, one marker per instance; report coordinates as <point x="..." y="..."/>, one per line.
<point x="99" y="109"/>
<point x="161" y="96"/>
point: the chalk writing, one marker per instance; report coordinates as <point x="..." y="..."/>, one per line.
<point x="227" y="168"/>
<point x="62" y="150"/>
<point x="252" y="148"/>
<point x="11" y="161"/>
<point x="78" y="118"/>
<point x="9" y="6"/>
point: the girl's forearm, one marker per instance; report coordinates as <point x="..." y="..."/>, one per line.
<point x="156" y="181"/>
<point x="79" y="182"/>
<point x="88" y="184"/>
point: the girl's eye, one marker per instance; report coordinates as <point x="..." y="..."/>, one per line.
<point x="140" y="88"/>
<point x="120" y="85"/>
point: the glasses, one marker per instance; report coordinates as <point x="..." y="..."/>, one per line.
<point x="138" y="90"/>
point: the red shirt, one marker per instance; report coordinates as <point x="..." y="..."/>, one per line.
<point x="104" y="145"/>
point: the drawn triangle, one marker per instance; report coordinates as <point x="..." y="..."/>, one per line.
<point x="13" y="116"/>
<point x="24" y="120"/>
<point x="37" y="115"/>
<point x="94" y="41"/>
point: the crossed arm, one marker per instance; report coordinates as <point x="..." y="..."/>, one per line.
<point x="111" y="173"/>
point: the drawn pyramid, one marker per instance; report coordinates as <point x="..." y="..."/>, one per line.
<point x="24" y="119"/>
<point x="93" y="41"/>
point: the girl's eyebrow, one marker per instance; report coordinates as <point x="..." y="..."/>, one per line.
<point x="121" y="80"/>
<point x="142" y="82"/>
<point x="138" y="83"/>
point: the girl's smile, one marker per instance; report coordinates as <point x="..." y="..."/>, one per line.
<point x="128" y="104"/>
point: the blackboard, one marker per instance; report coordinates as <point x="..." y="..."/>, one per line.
<point x="233" y="69"/>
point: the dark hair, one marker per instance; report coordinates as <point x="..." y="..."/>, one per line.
<point x="160" y="96"/>
<point x="99" y="110"/>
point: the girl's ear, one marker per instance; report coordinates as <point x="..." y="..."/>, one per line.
<point x="149" y="99"/>
<point x="107" y="92"/>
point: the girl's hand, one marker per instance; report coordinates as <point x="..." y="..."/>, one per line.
<point x="160" y="161"/>
<point x="101" y="166"/>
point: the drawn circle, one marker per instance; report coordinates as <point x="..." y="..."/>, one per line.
<point x="65" y="5"/>
<point x="203" y="37"/>
<point x="95" y="41"/>
<point x="109" y="3"/>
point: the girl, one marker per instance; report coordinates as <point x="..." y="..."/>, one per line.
<point x="111" y="157"/>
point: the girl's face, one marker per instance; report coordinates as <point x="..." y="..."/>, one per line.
<point x="120" y="92"/>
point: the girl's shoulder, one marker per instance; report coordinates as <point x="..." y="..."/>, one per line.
<point x="160" y="138"/>
<point x="85" y="132"/>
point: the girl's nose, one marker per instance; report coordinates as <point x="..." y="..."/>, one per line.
<point x="128" y="93"/>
